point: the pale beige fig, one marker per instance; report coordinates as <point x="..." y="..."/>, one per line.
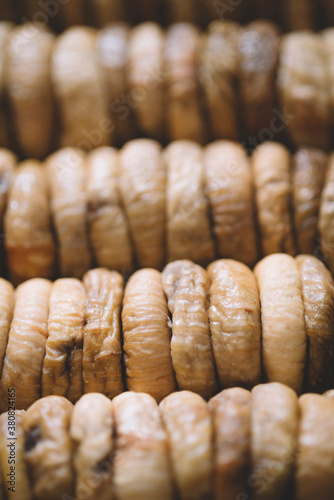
<point x="258" y="51"/>
<point x="112" y="49"/>
<point x="271" y="165"/>
<point x="231" y="416"/>
<point x="12" y="456"/>
<point x="72" y="12"/>
<point x="229" y="187"/>
<point x="29" y="88"/>
<point x="184" y="114"/>
<point x="284" y="340"/>
<point x="147" y="336"/>
<point x="314" y="476"/>
<point x="22" y="368"/>
<point x="303" y="89"/>
<point x="234" y="316"/>
<point x="102" y="349"/>
<point x="29" y="243"/>
<point x="190" y="436"/>
<point x="329" y="394"/>
<point x="108" y="11"/>
<point x="188" y="224"/>
<point x="80" y="90"/>
<point x="218" y="72"/>
<point x="308" y="176"/>
<point x="6" y="314"/>
<point x="49" y="448"/>
<point x="92" y="434"/>
<point x="62" y="368"/>
<point x="186" y="286"/>
<point x="145" y="78"/>
<point x="318" y="297"/>
<point x="143" y="191"/>
<point x="275" y="421"/>
<point x="299" y="14"/>
<point x="108" y="225"/>
<point x="326" y="216"/>
<point x="141" y="456"/>
<point x="5" y="29"/>
<point x="67" y="183"/>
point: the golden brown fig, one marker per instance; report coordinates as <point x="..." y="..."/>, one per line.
<point x="188" y="224"/>
<point x="258" y="50"/>
<point x="80" y="90"/>
<point x="283" y="325"/>
<point x="234" y="315"/>
<point x="28" y="84"/>
<point x="12" y="455"/>
<point x="231" y="414"/>
<point x="318" y="296"/>
<point x="22" y="368"/>
<point x="275" y="419"/>
<point x="143" y="190"/>
<point x="141" y="465"/>
<point x="48" y="448"/>
<point x="92" y="434"/>
<point x="29" y="243"/>
<point x="146" y="336"/>
<point x="315" y="459"/>
<point x="67" y="182"/>
<point x="184" y="117"/>
<point x="190" y="435"/>
<point x="102" y="350"/>
<point x="62" y="368"/>
<point x="186" y="286"/>
<point x="271" y="169"/>
<point x="108" y="11"/>
<point x="308" y="176"/>
<point x="219" y="66"/>
<point x="6" y="314"/>
<point x="326" y="216"/>
<point x="303" y="85"/>
<point x="229" y="186"/>
<point x="5" y="28"/>
<point x="108" y="226"/>
<point x="145" y="78"/>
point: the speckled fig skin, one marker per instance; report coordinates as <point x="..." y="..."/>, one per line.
<point x="190" y="435"/>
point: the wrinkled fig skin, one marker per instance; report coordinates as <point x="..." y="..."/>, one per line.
<point x="190" y="434"/>
<point x="6" y="314"/>
<point x="326" y="226"/>
<point x="102" y="349"/>
<point x="186" y="286"/>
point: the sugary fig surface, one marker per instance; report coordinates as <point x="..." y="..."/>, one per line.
<point x="147" y="336"/>
<point x="80" y="90"/>
<point x="144" y="78"/>
<point x="189" y="428"/>
<point x="48" y="448"/>
<point x="28" y="85"/>
<point x="188" y="225"/>
<point x="67" y="179"/>
<point x="141" y="465"/>
<point x="308" y="176"/>
<point x="29" y="243"/>
<point x="273" y="194"/>
<point x="234" y="315"/>
<point x="258" y="50"/>
<point x="315" y="459"/>
<point x="303" y="84"/>
<point x="108" y="226"/>
<point x="143" y="190"/>
<point x="12" y="453"/>
<point x="102" y="350"/>
<point x="231" y="415"/>
<point x="22" y="368"/>
<point x="184" y="117"/>
<point x="62" y="368"/>
<point x="326" y="216"/>
<point x="275" y="420"/>
<point x="218" y="70"/>
<point x="5" y="28"/>
<point x="229" y="187"/>
<point x="283" y="323"/>
<point x="186" y="286"/>
<point x="92" y="435"/>
<point x="6" y="314"/>
<point x="318" y="297"/>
